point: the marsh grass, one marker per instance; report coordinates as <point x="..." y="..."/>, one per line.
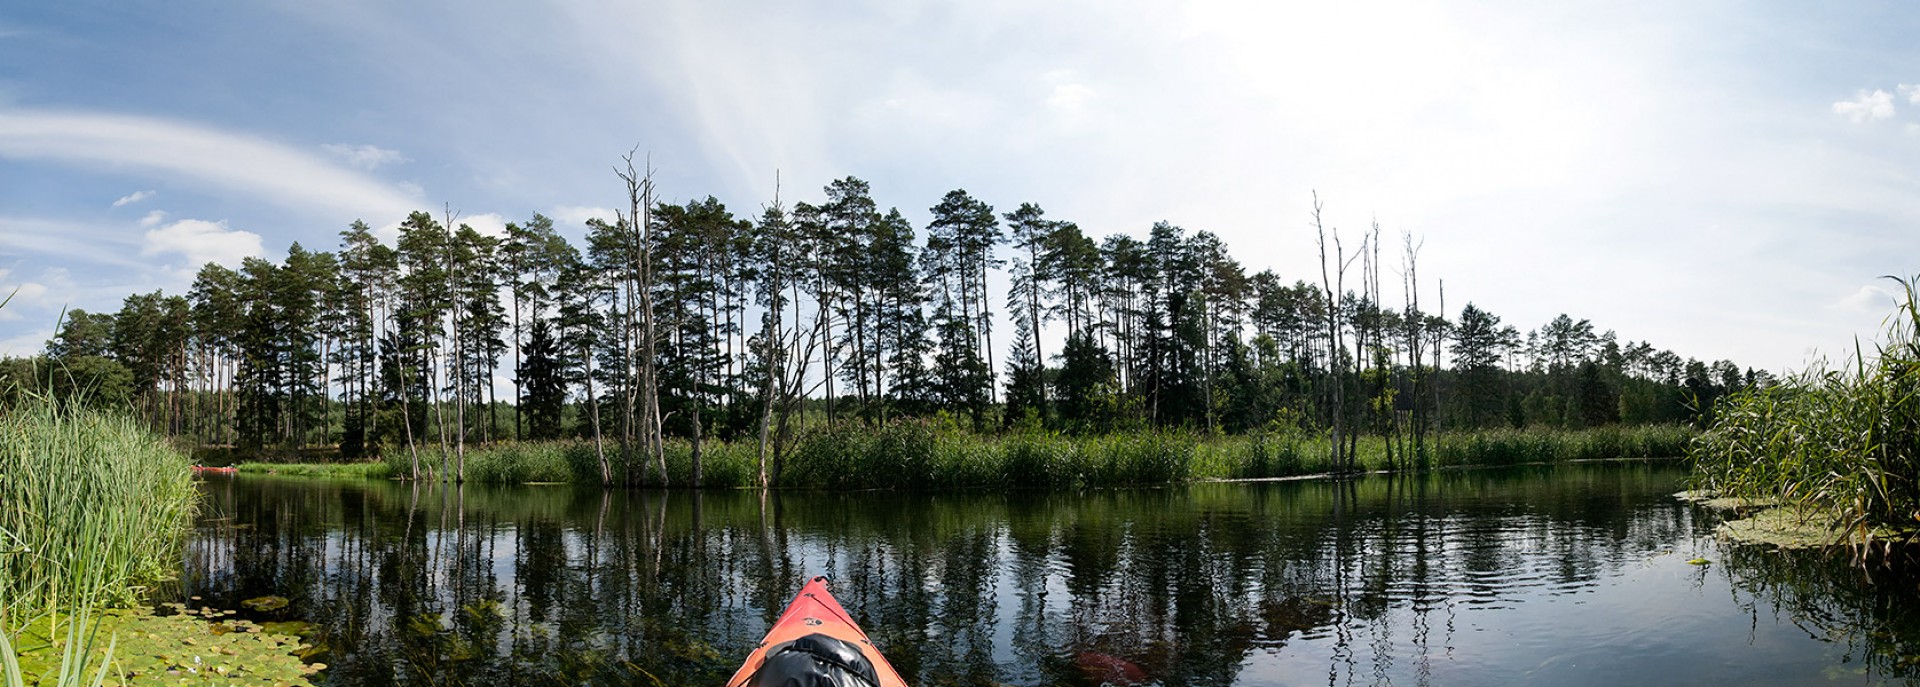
<point x="373" y="470"/>
<point x="1520" y="446"/>
<point x="92" y="507"/>
<point x="924" y="455"/>
<point x="1841" y="442"/>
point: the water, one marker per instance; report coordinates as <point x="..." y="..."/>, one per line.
<point x="1571" y="575"/>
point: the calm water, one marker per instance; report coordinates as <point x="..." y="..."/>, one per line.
<point x="1575" y="575"/>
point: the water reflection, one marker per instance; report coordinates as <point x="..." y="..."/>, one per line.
<point x="1530" y="576"/>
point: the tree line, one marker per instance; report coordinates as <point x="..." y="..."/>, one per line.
<point x="689" y="322"/>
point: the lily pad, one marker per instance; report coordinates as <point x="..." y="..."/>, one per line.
<point x="186" y="647"/>
<point x="266" y="604"/>
<point x="294" y="628"/>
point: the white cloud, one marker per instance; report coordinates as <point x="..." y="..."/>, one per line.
<point x="575" y="216"/>
<point x="1866" y="106"/>
<point x="26" y="343"/>
<point x="18" y="295"/>
<point x="490" y="224"/>
<point x="1872" y="298"/>
<point x="179" y="152"/>
<point x="1912" y="91"/>
<point x="132" y="198"/>
<point x="366" y="156"/>
<point x="153" y="219"/>
<point x="1070" y="96"/>
<point x="53" y="241"/>
<point x="202" y="242"/>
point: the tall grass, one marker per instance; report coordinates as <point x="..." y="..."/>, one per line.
<point x="92" y="507"/>
<point x="1517" y="446"/>
<point x="1844" y="442"/>
<point x="921" y="455"/>
<point x="363" y="470"/>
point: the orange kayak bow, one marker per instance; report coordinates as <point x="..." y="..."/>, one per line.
<point x="815" y="642"/>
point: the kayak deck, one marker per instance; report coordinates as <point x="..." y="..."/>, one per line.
<point x="812" y="612"/>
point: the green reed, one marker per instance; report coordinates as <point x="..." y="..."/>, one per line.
<point x="928" y="455"/>
<point x="1843" y="442"/>
<point x="1518" y="446"/>
<point x="362" y="470"/>
<point x="92" y="507"/>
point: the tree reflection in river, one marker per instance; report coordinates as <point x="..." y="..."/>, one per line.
<point x="1370" y="581"/>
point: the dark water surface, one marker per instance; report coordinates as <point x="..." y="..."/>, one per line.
<point x="1570" y="575"/>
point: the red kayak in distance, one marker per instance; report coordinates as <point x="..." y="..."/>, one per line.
<point x="815" y="643"/>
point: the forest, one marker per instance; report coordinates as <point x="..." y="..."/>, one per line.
<point x="693" y="323"/>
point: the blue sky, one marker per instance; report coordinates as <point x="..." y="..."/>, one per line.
<point x="1726" y="180"/>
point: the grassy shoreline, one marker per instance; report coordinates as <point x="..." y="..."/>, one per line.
<point x="93" y="508"/>
<point x="1838" y="446"/>
<point x="916" y="456"/>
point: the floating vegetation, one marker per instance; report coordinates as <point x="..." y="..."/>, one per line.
<point x="265" y="604"/>
<point x="1786" y="528"/>
<point x="184" y="646"/>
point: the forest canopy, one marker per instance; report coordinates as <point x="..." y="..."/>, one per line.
<point x="697" y="322"/>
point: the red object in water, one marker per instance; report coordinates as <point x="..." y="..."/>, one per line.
<point x="815" y="612"/>
<point x="204" y="470"/>
<point x="1109" y="669"/>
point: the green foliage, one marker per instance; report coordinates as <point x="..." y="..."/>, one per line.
<point x="543" y="376"/>
<point x="91" y="507"/>
<point x="1844" y="442"/>
<point x="1516" y="446"/>
<point x="184" y="646"/>
<point x="530" y="461"/>
<point x="372" y="470"/>
<point x="62" y="662"/>
<point x="927" y="455"/>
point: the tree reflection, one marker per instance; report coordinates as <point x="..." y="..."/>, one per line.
<point x="1866" y="611"/>
<point x="417" y="584"/>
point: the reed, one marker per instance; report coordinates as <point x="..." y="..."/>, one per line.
<point x="1840" y="442"/>
<point x="369" y="470"/>
<point x="929" y="455"/>
<point x="92" y="507"/>
<point x="1518" y="446"/>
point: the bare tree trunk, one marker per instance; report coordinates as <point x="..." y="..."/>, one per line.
<point x="640" y="213"/>
<point x="459" y="355"/>
<point x="406" y="420"/>
<point x="1335" y="365"/>
<point x="1438" y="333"/>
<point x="593" y="411"/>
<point x="1415" y="337"/>
<point x="439" y="412"/>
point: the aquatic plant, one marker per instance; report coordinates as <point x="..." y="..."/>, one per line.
<point x="92" y="507"/>
<point x="74" y="656"/>
<point x="180" y="646"/>
<point x="1516" y="446"/>
<point x="369" y="470"/>
<point x="929" y="455"/>
<point x="1842" y="442"/>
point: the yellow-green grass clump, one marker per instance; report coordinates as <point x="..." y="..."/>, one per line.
<point x="93" y="509"/>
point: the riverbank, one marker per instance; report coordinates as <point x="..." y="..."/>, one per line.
<point x="918" y="456"/>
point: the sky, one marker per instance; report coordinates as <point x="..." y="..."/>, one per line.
<point x="1724" y="180"/>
